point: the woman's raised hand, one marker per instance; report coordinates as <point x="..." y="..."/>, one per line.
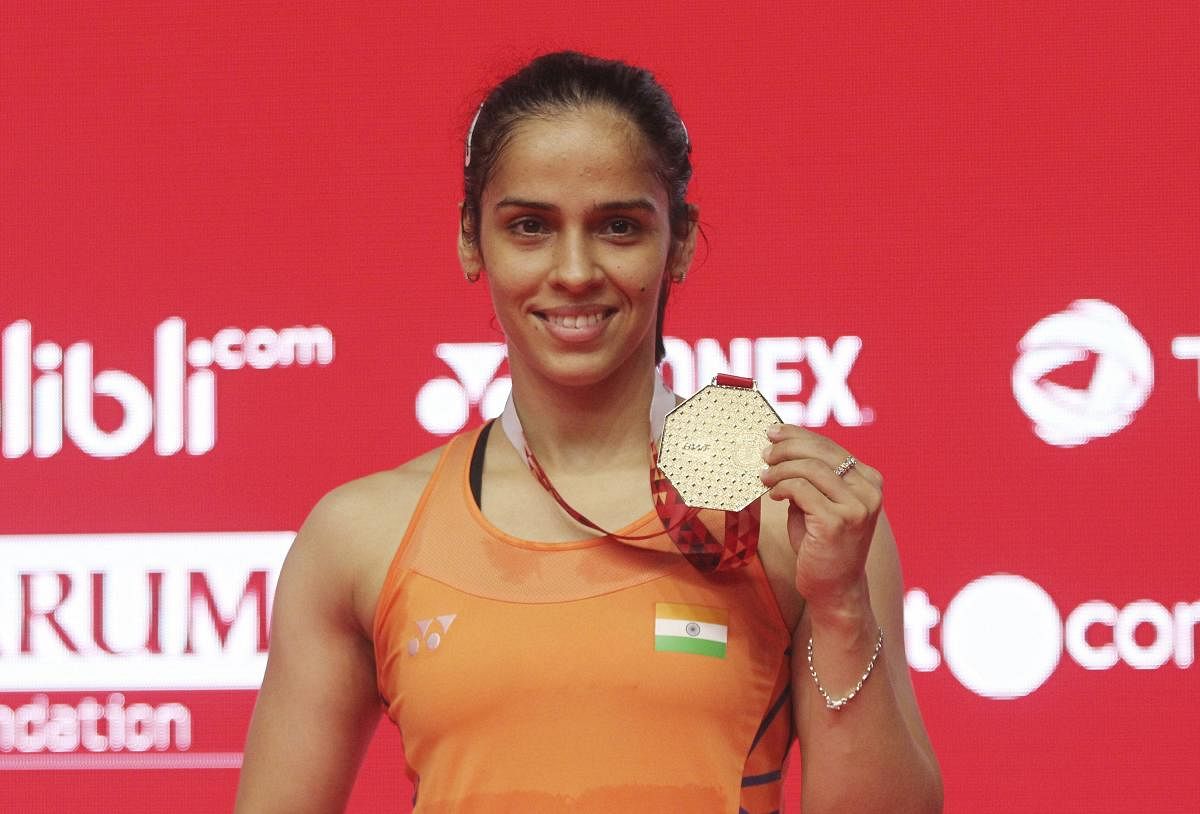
<point x="831" y="519"/>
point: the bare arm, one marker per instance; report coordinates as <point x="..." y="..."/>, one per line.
<point x="319" y="704"/>
<point x="874" y="754"/>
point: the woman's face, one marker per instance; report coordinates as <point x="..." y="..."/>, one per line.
<point x="575" y="237"/>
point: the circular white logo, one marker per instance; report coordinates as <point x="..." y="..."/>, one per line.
<point x="1122" y="380"/>
<point x="1002" y="636"/>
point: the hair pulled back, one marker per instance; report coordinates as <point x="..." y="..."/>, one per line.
<point x="568" y="81"/>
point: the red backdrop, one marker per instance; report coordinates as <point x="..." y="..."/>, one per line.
<point x="959" y="239"/>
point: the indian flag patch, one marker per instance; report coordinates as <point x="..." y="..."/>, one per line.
<point x="691" y="629"/>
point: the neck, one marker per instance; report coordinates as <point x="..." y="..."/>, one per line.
<point x="575" y="428"/>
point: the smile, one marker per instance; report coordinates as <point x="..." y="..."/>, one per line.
<point x="577" y="319"/>
<point x="576" y="324"/>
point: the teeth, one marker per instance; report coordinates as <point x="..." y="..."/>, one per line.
<point x="575" y="320"/>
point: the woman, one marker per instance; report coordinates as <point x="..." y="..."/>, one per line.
<point x="522" y="670"/>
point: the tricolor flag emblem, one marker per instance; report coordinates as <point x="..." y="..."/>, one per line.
<point x="691" y="629"/>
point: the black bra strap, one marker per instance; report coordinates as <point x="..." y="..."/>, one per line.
<point x="477" y="454"/>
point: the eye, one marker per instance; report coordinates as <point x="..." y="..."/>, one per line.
<point x="527" y="227"/>
<point x="622" y="227"/>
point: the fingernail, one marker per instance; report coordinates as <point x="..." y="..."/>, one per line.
<point x="774" y="430"/>
<point x="766" y="450"/>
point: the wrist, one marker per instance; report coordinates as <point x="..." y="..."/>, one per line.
<point x="848" y="614"/>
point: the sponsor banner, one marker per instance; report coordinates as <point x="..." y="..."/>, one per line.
<point x="129" y="729"/>
<point x="781" y="366"/>
<point x="1119" y="369"/>
<point x="137" y="611"/>
<point x="229" y="285"/>
<point x="1003" y="635"/>
<point x="49" y="390"/>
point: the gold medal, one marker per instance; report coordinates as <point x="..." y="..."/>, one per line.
<point x="711" y="449"/>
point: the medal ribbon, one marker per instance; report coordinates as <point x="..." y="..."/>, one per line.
<point x="681" y="522"/>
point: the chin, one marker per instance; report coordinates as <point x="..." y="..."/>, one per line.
<point x="587" y="369"/>
<point x="581" y="375"/>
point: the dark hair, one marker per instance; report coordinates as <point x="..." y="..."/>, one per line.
<point x="566" y="81"/>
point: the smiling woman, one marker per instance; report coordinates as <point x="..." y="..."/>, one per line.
<point x="530" y="664"/>
<point x="576" y="241"/>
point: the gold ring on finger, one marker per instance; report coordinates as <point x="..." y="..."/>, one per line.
<point x="845" y="466"/>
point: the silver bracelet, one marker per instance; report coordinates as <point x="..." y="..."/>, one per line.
<point x="841" y="702"/>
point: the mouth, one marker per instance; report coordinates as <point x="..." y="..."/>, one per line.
<point x="575" y="318"/>
<point x="576" y="324"/>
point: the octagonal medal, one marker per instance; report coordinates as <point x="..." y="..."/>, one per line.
<point x="712" y="445"/>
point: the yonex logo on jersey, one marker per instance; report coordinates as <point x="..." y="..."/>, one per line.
<point x="432" y="639"/>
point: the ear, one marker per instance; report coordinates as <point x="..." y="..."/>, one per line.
<point x="684" y="249"/>
<point x="469" y="256"/>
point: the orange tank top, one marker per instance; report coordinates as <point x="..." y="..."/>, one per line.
<point x="590" y="676"/>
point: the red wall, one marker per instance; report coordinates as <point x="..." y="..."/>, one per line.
<point x="970" y="233"/>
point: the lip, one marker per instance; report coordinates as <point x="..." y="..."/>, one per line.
<point x="575" y="324"/>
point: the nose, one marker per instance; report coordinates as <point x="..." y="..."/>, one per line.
<point x="576" y="268"/>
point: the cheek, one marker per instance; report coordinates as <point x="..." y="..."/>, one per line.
<point x="506" y="293"/>
<point x="510" y="271"/>
<point x="641" y="269"/>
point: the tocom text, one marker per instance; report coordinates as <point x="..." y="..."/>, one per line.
<point x="1002" y="635"/>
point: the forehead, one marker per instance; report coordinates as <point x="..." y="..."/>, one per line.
<point x="593" y="153"/>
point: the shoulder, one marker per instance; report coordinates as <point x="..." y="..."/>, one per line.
<point x="323" y="605"/>
<point x="363" y="504"/>
<point x="353" y="531"/>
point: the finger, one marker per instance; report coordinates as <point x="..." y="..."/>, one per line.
<point x="815" y="508"/>
<point x="782" y="432"/>
<point x="805" y="446"/>
<point x="870" y="474"/>
<point x="865" y="481"/>
<point x="819" y="475"/>
<point x="790" y="440"/>
<point x="806" y="496"/>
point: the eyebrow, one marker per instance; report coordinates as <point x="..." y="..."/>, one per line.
<point x="644" y="204"/>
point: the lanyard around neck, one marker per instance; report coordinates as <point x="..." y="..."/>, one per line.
<point x="681" y="523"/>
<point x="661" y="403"/>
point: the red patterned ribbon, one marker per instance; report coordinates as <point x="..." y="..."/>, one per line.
<point x="693" y="538"/>
<point x="681" y="523"/>
<point x="579" y="517"/>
